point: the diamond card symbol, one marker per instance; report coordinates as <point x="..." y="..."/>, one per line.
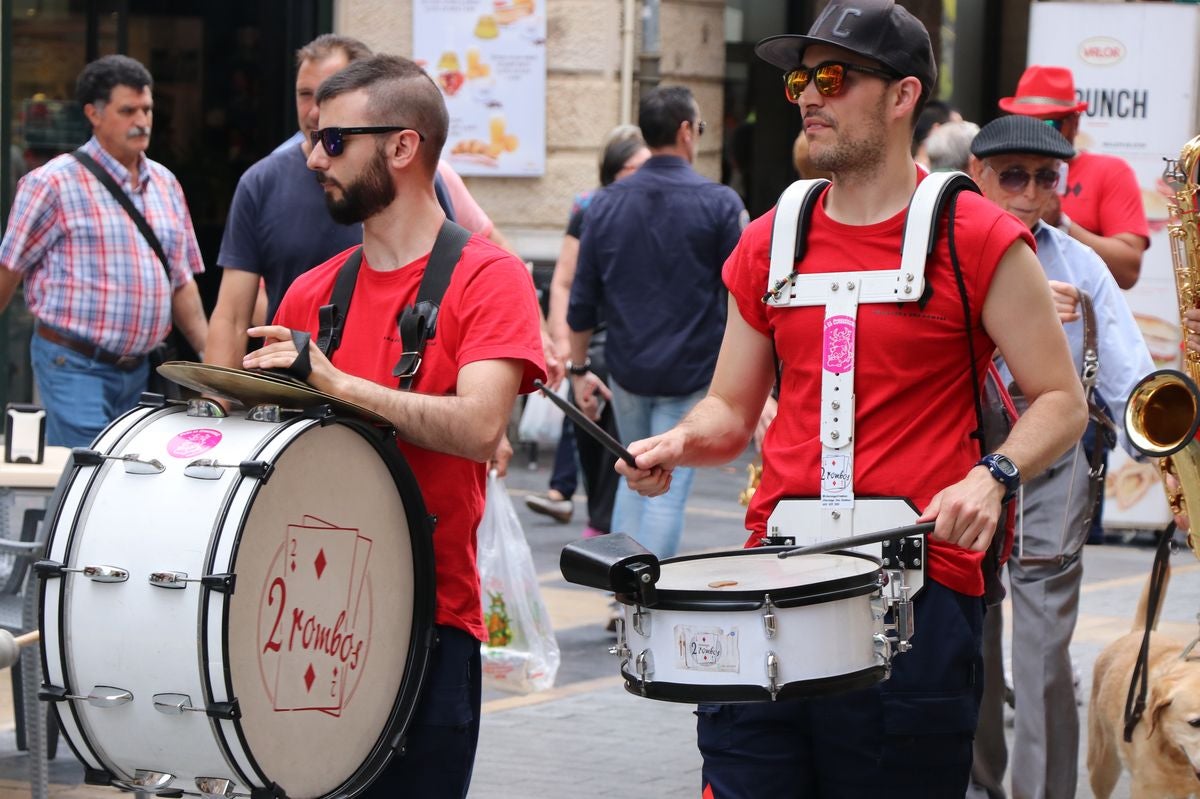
<point x="309" y="676"/>
<point x="320" y="562"/>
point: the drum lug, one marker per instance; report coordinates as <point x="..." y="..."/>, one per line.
<point x="770" y="623"/>
<point x="621" y="647"/>
<point x="645" y="668"/>
<point x="269" y="413"/>
<point x="145" y="781"/>
<point x="215" y="787"/>
<point x="102" y="696"/>
<point x="883" y="649"/>
<point x="773" y="675"/>
<point x="132" y="462"/>
<point x="207" y="469"/>
<point x="902" y="613"/>
<point x="47" y="569"/>
<point x="641" y="621"/>
<point x="205" y="408"/>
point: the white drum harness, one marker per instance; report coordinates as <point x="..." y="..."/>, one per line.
<point x="838" y="513"/>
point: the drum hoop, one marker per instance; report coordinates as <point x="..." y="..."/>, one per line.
<point x="739" y="694"/>
<point x="148" y="411"/>
<point x="420" y="645"/>
<point x="712" y="600"/>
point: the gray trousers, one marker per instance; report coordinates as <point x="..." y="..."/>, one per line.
<point x="1044" y="579"/>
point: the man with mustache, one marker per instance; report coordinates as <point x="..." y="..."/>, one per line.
<point x="101" y="295"/>
<point x="895" y="414"/>
<point x="383" y="124"/>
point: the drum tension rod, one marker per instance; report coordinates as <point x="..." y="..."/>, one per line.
<point x="221" y="583"/>
<point x="103" y="696"/>
<point x="47" y="569"/>
<point x="212" y="469"/>
<point x="133" y="463"/>
<point x="177" y="704"/>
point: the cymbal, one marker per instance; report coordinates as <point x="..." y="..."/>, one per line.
<point x="259" y="388"/>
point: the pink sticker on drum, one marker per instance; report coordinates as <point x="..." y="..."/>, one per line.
<point x="837" y="352"/>
<point x="191" y="443"/>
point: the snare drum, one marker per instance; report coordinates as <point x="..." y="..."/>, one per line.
<point x="235" y="607"/>
<point x="747" y="626"/>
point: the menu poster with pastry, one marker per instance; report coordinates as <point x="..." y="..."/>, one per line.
<point x="1136" y="66"/>
<point x="489" y="59"/>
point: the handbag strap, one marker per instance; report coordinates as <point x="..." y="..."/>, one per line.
<point x="418" y="322"/>
<point x="123" y="200"/>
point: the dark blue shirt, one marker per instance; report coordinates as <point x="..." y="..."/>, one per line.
<point x="650" y="265"/>
<point x="278" y="226"/>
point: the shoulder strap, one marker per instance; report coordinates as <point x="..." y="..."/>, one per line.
<point x="418" y="322"/>
<point x="122" y="198"/>
<point x="793" y="213"/>
<point x="921" y="221"/>
<point x="331" y="317"/>
<point x="976" y="391"/>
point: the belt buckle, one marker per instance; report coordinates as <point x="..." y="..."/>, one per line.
<point x="410" y="372"/>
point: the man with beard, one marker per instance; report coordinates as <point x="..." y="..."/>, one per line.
<point x="101" y="294"/>
<point x="383" y="125"/>
<point x="910" y="379"/>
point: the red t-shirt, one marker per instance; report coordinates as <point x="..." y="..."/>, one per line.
<point x="913" y="399"/>
<point x="1103" y="196"/>
<point x="489" y="312"/>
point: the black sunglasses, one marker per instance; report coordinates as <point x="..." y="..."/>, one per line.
<point x="1015" y="179"/>
<point x="829" y="77"/>
<point x="332" y="139"/>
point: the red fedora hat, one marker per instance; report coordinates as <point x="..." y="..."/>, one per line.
<point x="1045" y="93"/>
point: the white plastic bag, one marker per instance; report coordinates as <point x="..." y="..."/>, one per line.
<point x="541" y="420"/>
<point x="521" y="653"/>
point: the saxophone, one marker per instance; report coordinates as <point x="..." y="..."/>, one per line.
<point x="1163" y="412"/>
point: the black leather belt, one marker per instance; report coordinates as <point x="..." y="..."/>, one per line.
<point x="126" y="363"/>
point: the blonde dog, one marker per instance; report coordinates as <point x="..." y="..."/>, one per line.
<point x="1163" y="757"/>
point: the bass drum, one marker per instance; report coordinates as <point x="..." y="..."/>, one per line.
<point x="236" y="607"/>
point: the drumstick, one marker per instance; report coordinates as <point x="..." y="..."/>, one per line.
<point x="587" y="425"/>
<point x="858" y="540"/>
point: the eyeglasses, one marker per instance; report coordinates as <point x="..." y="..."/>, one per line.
<point x="829" y="76"/>
<point x="1015" y="179"/>
<point x="333" y="139"/>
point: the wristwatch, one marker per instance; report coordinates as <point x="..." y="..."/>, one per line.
<point x="580" y="369"/>
<point x="1004" y="471"/>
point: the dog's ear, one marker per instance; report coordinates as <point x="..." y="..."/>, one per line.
<point x="1162" y="692"/>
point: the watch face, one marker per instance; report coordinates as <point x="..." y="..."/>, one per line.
<point x="1005" y="465"/>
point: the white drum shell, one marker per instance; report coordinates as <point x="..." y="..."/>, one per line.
<point x="710" y="649"/>
<point x="148" y="640"/>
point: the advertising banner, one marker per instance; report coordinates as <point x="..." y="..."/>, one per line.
<point x="1136" y="66"/>
<point x="489" y="59"/>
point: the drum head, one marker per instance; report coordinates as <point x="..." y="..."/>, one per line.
<point x="728" y="580"/>
<point x="322" y="625"/>
<point x="258" y="388"/>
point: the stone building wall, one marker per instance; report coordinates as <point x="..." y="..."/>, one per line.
<point x="583" y="97"/>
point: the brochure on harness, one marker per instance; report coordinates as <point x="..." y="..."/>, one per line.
<point x="489" y="59"/>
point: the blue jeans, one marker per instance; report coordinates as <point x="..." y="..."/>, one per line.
<point x="81" y="395"/>
<point x="656" y="523"/>
<point x="439" y="751"/>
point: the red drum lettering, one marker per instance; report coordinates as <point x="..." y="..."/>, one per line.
<point x="318" y="637"/>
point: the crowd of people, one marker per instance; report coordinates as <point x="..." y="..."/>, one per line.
<point x="673" y="339"/>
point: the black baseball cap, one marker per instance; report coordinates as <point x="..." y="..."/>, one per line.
<point x="878" y="29"/>
<point x="1020" y="134"/>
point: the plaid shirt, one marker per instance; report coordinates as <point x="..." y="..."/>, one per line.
<point x="88" y="270"/>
